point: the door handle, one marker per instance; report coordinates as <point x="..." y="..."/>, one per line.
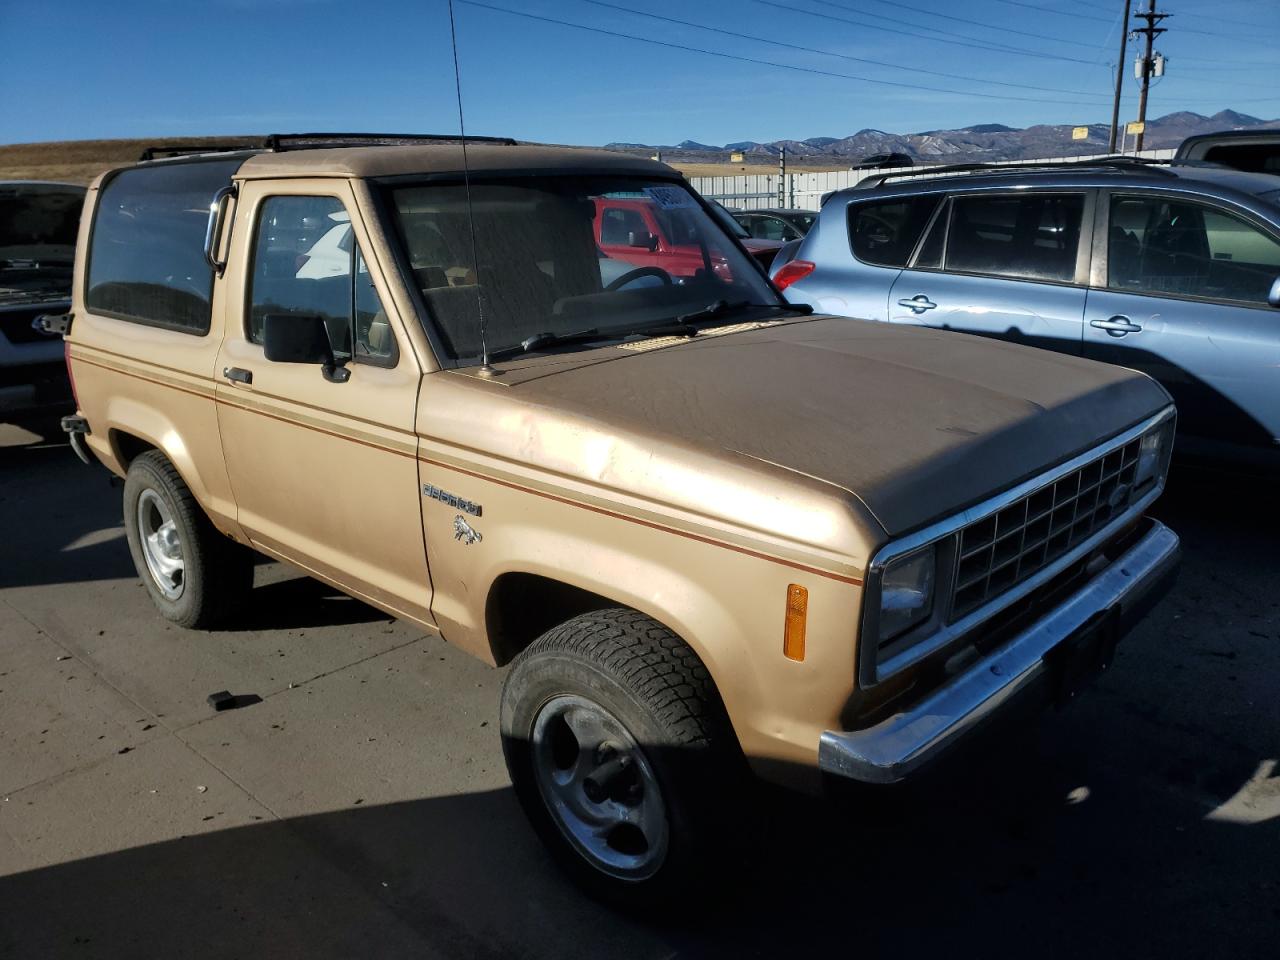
<point x="919" y="303"/>
<point x="238" y="375"/>
<point x="1117" y="326"/>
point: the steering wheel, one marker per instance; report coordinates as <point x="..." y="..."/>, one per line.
<point x="637" y="273"/>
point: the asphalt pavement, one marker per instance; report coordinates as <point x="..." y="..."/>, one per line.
<point x="356" y="804"/>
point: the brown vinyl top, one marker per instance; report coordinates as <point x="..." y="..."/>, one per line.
<point x="482" y="158"/>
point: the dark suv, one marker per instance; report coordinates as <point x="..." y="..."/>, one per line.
<point x="38" y="225"/>
<point x="1170" y="269"/>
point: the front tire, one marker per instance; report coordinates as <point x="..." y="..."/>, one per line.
<point x="622" y="756"/>
<point x="195" y="576"/>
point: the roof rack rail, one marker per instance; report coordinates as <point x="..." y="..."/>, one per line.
<point x="281" y="142"/>
<point x="1014" y="168"/>
<point x="170" y="151"/>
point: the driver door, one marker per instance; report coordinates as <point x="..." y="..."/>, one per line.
<point x="324" y="473"/>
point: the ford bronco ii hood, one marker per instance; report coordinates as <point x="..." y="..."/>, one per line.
<point x="916" y="423"/>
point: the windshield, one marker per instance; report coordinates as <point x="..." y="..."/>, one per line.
<point x="38" y="224"/>
<point x="563" y="255"/>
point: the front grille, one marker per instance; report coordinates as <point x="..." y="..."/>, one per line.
<point x="1006" y="548"/>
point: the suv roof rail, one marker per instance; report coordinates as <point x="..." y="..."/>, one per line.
<point x="280" y="142"/>
<point x="1112" y="162"/>
<point x="170" y="151"/>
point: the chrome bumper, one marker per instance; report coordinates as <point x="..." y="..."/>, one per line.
<point x="893" y="748"/>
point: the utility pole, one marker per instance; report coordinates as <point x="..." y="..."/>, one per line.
<point x="1121" y="66"/>
<point x="1150" y="31"/>
<point x="782" y="176"/>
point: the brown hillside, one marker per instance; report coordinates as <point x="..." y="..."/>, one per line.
<point x="79" y="161"/>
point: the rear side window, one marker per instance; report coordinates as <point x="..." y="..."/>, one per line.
<point x="146" y="254"/>
<point x="1253" y="157"/>
<point x="884" y="234"/>
<point x="1026" y="237"/>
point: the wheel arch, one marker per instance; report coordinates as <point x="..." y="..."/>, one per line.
<point x="521" y="605"/>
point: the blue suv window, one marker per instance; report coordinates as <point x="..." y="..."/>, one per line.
<point x="1025" y="237"/>
<point x="885" y="233"/>
<point x="1159" y="246"/>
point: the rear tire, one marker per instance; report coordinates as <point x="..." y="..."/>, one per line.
<point x="623" y="758"/>
<point x="196" y="576"/>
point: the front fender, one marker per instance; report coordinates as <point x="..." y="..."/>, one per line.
<point x="728" y="604"/>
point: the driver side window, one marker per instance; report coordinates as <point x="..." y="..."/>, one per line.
<point x="618" y="224"/>
<point x="306" y="261"/>
<point x="1157" y="245"/>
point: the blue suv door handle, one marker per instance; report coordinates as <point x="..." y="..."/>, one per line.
<point x="1117" y="326"/>
<point x="919" y="303"/>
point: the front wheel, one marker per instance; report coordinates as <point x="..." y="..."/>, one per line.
<point x="622" y="756"/>
<point x="194" y="574"/>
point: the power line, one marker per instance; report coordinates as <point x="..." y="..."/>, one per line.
<point x="977" y="23"/>
<point x="961" y="39"/>
<point x="1252" y="24"/>
<point x="1061" y="13"/>
<point x="831" y="53"/>
<point x="753" y="60"/>
<point x="920" y="36"/>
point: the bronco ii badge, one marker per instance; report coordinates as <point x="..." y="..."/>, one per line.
<point x="435" y="493"/>
<point x="465" y="532"/>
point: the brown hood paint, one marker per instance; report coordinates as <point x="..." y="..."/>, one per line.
<point x="917" y="423"/>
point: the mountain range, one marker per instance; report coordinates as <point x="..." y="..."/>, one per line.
<point x="985" y="141"/>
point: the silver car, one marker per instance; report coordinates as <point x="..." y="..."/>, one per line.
<point x="1170" y="269"/>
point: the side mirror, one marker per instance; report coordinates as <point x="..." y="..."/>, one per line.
<point x="1273" y="297"/>
<point x="642" y="238"/>
<point x="301" y="338"/>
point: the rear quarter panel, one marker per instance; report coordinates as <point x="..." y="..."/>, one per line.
<point x="149" y="383"/>
<point x="841" y="284"/>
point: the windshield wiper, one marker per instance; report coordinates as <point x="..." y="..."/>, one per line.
<point x="722" y="307"/>
<point x="713" y="310"/>
<point x="663" y="328"/>
<point x="540" y="341"/>
<point x="546" y="339"/>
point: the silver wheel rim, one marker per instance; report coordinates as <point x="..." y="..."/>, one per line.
<point x="161" y="545"/>
<point x="599" y="788"/>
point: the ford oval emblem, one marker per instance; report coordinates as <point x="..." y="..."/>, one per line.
<point x="1119" y="496"/>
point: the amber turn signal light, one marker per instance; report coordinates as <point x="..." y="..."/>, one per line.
<point x="793" y="632"/>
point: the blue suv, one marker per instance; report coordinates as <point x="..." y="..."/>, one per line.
<point x="1170" y="269"/>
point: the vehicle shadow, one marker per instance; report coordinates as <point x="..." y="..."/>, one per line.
<point x="1029" y="852"/>
<point x="62" y="519"/>
<point x="296" y="603"/>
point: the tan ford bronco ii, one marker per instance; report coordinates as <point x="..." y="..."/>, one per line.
<point x="709" y="532"/>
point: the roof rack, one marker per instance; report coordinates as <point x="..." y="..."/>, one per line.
<point x="280" y="142"/>
<point x="1112" y="162"/>
<point x="283" y="142"/>
<point x="169" y="151"/>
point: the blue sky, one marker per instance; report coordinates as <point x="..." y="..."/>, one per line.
<point x="145" y="68"/>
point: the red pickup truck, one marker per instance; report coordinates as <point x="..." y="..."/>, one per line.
<point x="640" y="232"/>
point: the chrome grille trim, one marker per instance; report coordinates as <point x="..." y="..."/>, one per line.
<point x="872" y="671"/>
<point x="1016" y="541"/>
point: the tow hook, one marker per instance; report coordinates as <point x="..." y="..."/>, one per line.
<point x="76" y="428"/>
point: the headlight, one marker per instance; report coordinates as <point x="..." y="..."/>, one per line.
<point x="906" y="592"/>
<point x="1154" y="453"/>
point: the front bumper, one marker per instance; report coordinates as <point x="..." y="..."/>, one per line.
<point x="894" y="748"/>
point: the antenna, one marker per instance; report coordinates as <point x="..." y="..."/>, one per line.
<point x="486" y="370"/>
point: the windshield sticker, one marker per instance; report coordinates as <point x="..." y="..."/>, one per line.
<point x="671" y="198"/>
